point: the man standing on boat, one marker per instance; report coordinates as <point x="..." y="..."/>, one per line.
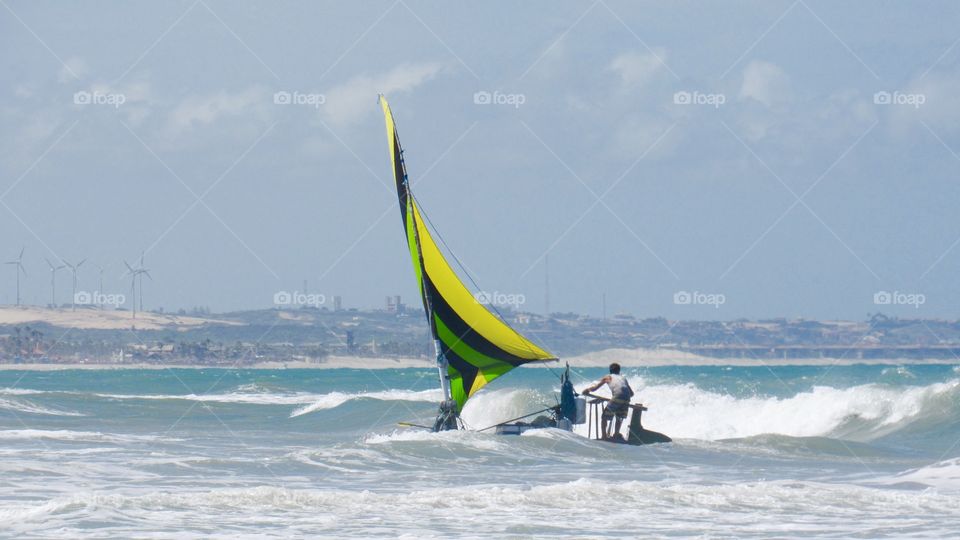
<point x="619" y="403"/>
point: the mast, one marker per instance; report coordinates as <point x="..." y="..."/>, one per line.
<point x="447" y="417"/>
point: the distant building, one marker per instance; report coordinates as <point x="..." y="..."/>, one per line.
<point x="337" y="303"/>
<point x="394" y="305"/>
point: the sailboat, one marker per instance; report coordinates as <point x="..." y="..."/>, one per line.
<point x="473" y="345"/>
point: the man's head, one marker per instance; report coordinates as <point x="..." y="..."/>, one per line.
<point x="615" y="368"/>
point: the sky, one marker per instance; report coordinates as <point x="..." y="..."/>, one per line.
<point x="685" y="159"/>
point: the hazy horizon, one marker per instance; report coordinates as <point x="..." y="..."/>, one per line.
<point x="794" y="159"/>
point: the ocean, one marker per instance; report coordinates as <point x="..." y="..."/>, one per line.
<point x="789" y="451"/>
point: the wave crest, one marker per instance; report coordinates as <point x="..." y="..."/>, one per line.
<point x="335" y="399"/>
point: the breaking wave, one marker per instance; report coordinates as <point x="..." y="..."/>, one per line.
<point x="859" y="413"/>
<point x="335" y="399"/>
<point x="24" y="406"/>
<point x="250" y="394"/>
<point x="864" y="412"/>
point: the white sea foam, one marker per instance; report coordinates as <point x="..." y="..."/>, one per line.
<point x="232" y="397"/>
<point x="488" y="408"/>
<point x="943" y="475"/>
<point x="479" y="441"/>
<point x="20" y="391"/>
<point x="250" y="394"/>
<point x="20" y="405"/>
<point x="554" y="509"/>
<point x="901" y="371"/>
<point x="69" y="435"/>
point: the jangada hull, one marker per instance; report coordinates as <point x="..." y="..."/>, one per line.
<point x="637" y="435"/>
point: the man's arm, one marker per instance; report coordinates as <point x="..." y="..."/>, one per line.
<point x="602" y="382"/>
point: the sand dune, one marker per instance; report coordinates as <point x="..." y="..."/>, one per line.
<point x="95" y="319"/>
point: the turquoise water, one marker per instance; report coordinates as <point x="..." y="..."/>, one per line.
<point x="868" y="451"/>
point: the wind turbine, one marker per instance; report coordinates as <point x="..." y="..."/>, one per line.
<point x="53" y="281"/>
<point x="74" y="268"/>
<point x="100" y="282"/>
<point x="133" y="285"/>
<point x="134" y="273"/>
<point x="19" y="268"/>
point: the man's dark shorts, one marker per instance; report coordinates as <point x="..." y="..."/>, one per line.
<point x="614" y="408"/>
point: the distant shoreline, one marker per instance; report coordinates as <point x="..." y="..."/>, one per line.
<point x="626" y="358"/>
<point x="333" y="362"/>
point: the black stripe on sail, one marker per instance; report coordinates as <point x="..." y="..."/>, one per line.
<point x="468" y="372"/>
<point x="464" y="332"/>
<point x="403" y="195"/>
<point x="400" y="174"/>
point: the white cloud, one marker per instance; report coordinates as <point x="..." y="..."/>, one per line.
<point x="138" y="98"/>
<point x="765" y="82"/>
<point x="637" y="68"/>
<point x="351" y="100"/>
<point x="207" y="109"/>
<point x="73" y="68"/>
<point x="940" y="108"/>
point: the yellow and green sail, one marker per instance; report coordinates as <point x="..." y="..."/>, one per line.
<point x="477" y="345"/>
